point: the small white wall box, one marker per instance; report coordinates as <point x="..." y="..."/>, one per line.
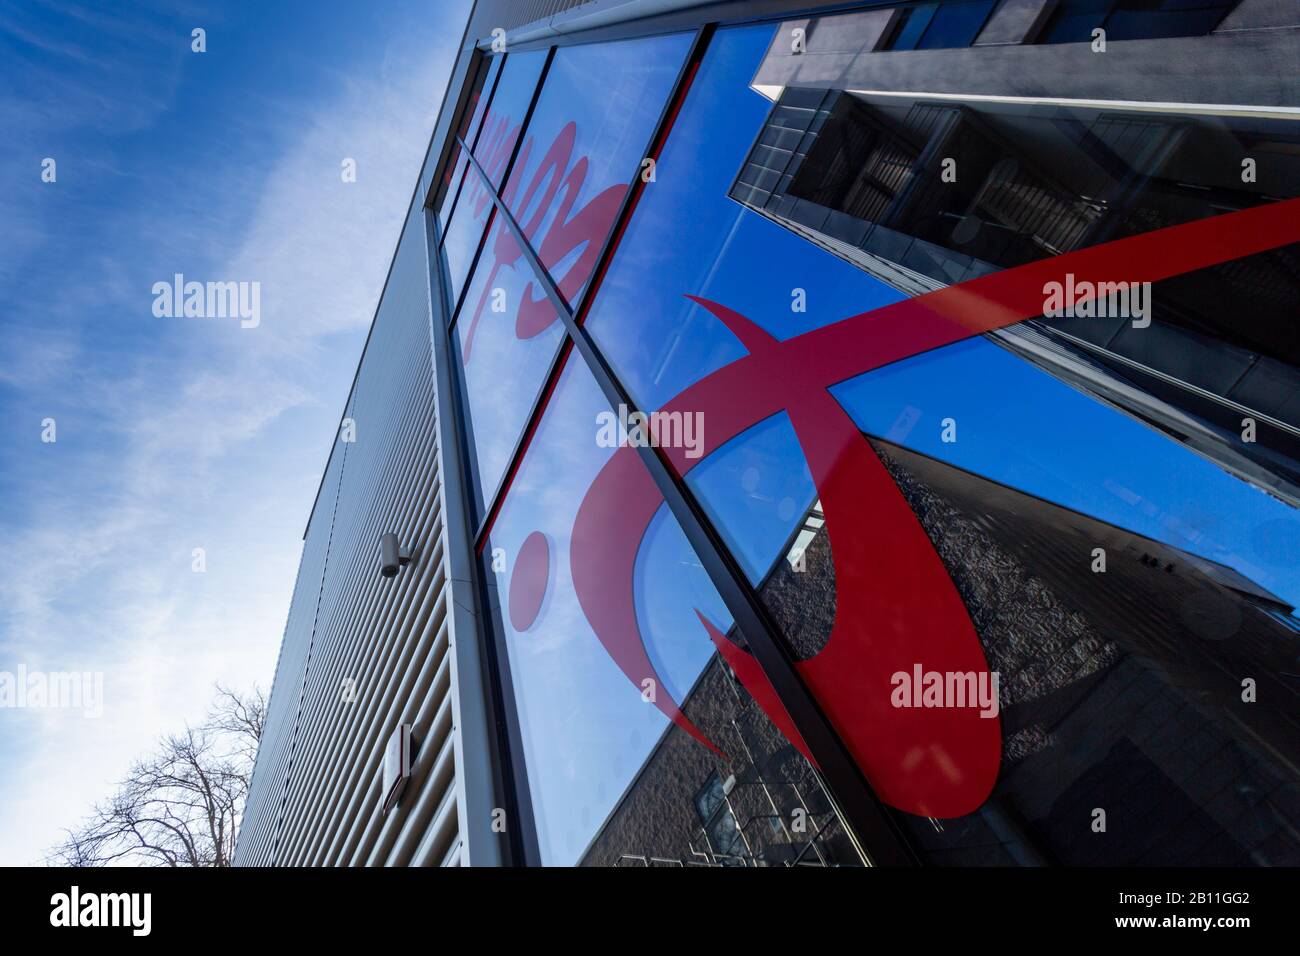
<point x="397" y="765"/>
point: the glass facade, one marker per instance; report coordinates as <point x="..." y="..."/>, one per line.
<point x="934" y="26"/>
<point x="975" y="424"/>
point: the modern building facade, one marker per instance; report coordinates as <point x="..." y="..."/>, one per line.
<point x="819" y="435"/>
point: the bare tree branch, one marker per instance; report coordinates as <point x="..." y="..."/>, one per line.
<point x="181" y="805"/>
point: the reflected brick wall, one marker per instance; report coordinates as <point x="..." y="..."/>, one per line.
<point x="1120" y="691"/>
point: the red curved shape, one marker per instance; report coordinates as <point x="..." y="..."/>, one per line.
<point x="895" y="603"/>
<point x="607" y="535"/>
<point x="528" y="583"/>
<point x="755" y="681"/>
<point x="896" y="607"/>
<point x="567" y="232"/>
<point x="586" y="229"/>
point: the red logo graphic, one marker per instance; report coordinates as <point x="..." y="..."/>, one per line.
<point x="896" y="606"/>
<point x="568" y="232"/>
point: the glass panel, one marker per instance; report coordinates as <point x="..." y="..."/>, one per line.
<point x="659" y="340"/>
<point x="507" y="332"/>
<point x="510" y="331"/>
<point x="468" y="223"/>
<point x="955" y="25"/>
<point x="506" y="112"/>
<point x="1074" y="21"/>
<point x="1032" y="565"/>
<point x="584" y="145"/>
<point x="915" y="20"/>
<point x="1142" y="19"/>
<point x="468" y="132"/>
<point x="1119" y="646"/>
<point x="627" y="708"/>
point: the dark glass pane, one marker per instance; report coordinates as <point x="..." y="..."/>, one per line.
<point x="463" y="236"/>
<point x="916" y="19"/>
<point x="955" y="25"/>
<point x="507" y="332"/>
<point x="468" y="131"/>
<point x="505" y="115"/>
<point x="1144" y="19"/>
<point x="584" y="145"/>
<point x="1074" y="20"/>
<point x="710" y="798"/>
<point x="627" y="708"/>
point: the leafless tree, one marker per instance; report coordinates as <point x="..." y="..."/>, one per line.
<point x="182" y="805"/>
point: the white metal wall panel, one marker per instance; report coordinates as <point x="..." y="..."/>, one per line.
<point x="257" y="833"/>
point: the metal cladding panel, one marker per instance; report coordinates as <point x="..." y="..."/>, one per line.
<point x="509" y="14"/>
<point x="380" y="655"/>
<point x="257" y="834"/>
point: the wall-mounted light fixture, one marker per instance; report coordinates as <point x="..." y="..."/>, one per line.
<point x="392" y="558"/>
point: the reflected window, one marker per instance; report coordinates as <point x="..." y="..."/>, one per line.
<point x="1074" y="21"/>
<point x="718" y="820"/>
<point x="933" y="26"/>
<point x="911" y="26"/>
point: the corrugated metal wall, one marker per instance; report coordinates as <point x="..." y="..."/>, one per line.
<point x="509" y="14"/>
<point x="315" y="797"/>
<point x="258" y="831"/>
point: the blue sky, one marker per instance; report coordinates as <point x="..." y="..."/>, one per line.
<point x="173" y="433"/>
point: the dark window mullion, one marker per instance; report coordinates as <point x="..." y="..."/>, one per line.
<point x="509" y="779"/>
<point x="487" y="105"/>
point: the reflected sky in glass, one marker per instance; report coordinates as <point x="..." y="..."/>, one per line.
<point x="505" y="114"/>
<point x="462" y="239"/>
<point x="565" y="200"/>
<point x="1016" y="424"/>
<point x="586" y="729"/>
<point x="502" y="371"/>
<point x="585" y="142"/>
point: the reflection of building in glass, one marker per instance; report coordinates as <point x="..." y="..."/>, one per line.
<point x="924" y="193"/>
<point x="1120" y="688"/>
<point x="761" y="806"/>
